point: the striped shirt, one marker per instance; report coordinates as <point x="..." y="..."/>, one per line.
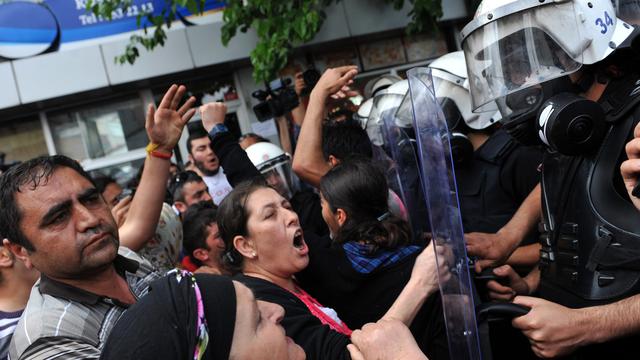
<point x="8" y="322"/>
<point x="64" y="322"/>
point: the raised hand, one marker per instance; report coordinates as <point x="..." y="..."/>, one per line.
<point x="426" y="269"/>
<point x="164" y="125"/>
<point x="212" y="114"/>
<point x="335" y="82"/>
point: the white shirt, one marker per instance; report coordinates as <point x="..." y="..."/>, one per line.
<point x="218" y="186"/>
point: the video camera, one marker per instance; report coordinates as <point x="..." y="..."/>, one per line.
<point x="278" y="99"/>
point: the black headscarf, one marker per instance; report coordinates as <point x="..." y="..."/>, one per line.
<point x="163" y="324"/>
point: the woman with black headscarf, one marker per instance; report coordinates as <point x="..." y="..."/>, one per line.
<point x="188" y="316"/>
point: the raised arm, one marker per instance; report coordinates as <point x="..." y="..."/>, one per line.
<point x="235" y="162"/>
<point x="297" y="114"/>
<point x="308" y="162"/>
<point x="422" y="284"/>
<point x="164" y="127"/>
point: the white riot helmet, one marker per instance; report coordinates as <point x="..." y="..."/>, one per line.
<point x="385" y="101"/>
<point x="451" y="88"/>
<point x="362" y="115"/>
<point x="275" y="166"/>
<point x="515" y="44"/>
<point x="380" y="83"/>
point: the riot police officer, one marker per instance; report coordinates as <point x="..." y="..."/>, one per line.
<point x="494" y="173"/>
<point x="534" y="58"/>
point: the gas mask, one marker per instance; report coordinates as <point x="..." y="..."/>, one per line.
<point x="570" y="124"/>
<point x="519" y="109"/>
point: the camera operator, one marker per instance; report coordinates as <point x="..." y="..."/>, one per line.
<point x="303" y="84"/>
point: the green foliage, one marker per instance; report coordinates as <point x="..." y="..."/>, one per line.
<point x="423" y="15"/>
<point x="280" y="25"/>
<point x="115" y="9"/>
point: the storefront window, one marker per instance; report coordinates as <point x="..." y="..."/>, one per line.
<point x="22" y="140"/>
<point x="122" y="173"/>
<point x="99" y="131"/>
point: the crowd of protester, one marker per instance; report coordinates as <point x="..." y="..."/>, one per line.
<point x="258" y="251"/>
<point x="225" y="258"/>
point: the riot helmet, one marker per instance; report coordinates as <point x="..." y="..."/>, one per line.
<point x="362" y="115"/>
<point x="520" y="53"/>
<point x="515" y="44"/>
<point x="385" y="103"/>
<point x="275" y="166"/>
<point x="372" y="87"/>
<point x="451" y="90"/>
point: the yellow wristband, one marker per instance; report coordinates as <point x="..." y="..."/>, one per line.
<point x="152" y="147"/>
<point x="152" y="150"/>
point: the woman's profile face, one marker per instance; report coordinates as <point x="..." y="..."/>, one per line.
<point x="258" y="334"/>
<point x="329" y="217"/>
<point x="275" y="231"/>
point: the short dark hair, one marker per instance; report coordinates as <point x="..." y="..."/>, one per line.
<point x="344" y="139"/>
<point x="34" y="173"/>
<point x="359" y="187"/>
<point x="196" y="219"/>
<point x="195" y="132"/>
<point x="232" y="220"/>
<point x="179" y="181"/>
<point x="101" y="181"/>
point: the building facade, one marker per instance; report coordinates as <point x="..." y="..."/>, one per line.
<point x="79" y="102"/>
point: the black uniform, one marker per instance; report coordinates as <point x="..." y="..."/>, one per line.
<point x="491" y="187"/>
<point x="495" y="182"/>
<point x="591" y="239"/>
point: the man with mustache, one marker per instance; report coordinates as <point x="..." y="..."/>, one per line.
<point x="56" y="221"/>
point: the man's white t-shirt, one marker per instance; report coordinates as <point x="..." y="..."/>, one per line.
<point x="218" y="186"/>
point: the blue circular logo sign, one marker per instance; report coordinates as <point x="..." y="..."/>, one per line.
<point x="27" y="29"/>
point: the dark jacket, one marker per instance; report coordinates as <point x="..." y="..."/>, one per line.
<point x="495" y="182"/>
<point x="362" y="298"/>
<point x="318" y="341"/>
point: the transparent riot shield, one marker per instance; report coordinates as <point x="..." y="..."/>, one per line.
<point x="438" y="180"/>
<point x="383" y="105"/>
<point x="402" y="149"/>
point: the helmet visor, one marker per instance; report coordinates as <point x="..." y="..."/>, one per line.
<point x="518" y="51"/>
<point x="382" y="104"/>
<point x="451" y="90"/>
<point x="280" y="177"/>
